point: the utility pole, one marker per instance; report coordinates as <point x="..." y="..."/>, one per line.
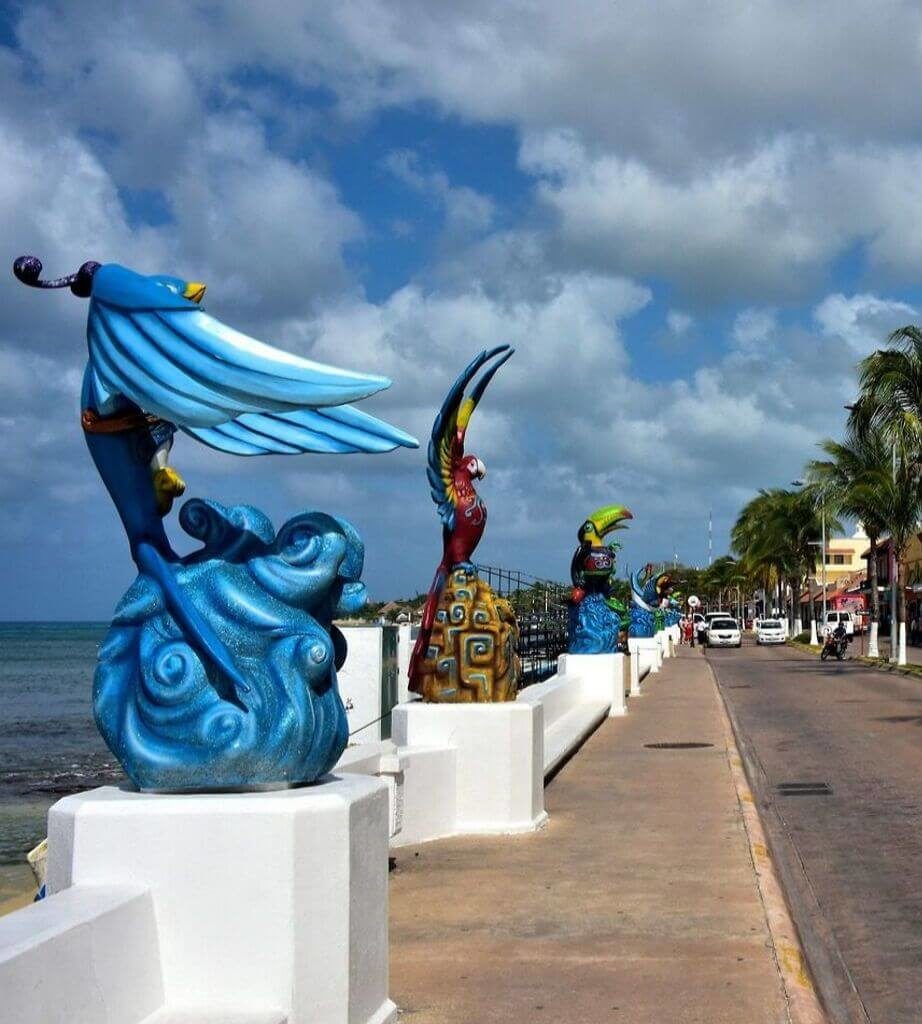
<point x="823" y="512"/>
<point x="710" y="536"/>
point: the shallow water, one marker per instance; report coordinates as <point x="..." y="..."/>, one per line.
<point x="49" y="745"/>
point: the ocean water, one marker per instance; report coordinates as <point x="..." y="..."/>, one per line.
<point x="49" y="744"/>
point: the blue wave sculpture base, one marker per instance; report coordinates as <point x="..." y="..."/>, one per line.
<point x="271" y="599"/>
<point x="594" y="626"/>
<point x="642" y="622"/>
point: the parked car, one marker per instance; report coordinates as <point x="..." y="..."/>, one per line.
<point x="834" y="618"/>
<point x="724" y="633"/>
<point x="770" y="631"/>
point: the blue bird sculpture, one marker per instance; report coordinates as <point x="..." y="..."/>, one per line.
<point x="158" y="363"/>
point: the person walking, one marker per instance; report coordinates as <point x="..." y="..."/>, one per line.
<point x="687" y="631"/>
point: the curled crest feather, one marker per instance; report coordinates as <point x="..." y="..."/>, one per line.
<point x="446" y="444"/>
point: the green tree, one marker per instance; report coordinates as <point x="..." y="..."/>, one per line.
<point x="776" y="536"/>
<point x="890" y="401"/>
<point x="850" y="481"/>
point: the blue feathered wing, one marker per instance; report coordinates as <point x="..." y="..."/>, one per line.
<point x="220" y="386"/>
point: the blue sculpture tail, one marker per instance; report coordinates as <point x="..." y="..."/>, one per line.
<point x="203" y="638"/>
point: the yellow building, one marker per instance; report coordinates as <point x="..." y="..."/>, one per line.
<point x="843" y="558"/>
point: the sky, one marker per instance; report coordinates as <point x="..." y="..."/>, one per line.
<point x="690" y="219"/>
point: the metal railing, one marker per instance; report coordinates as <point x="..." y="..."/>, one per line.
<point x="541" y="608"/>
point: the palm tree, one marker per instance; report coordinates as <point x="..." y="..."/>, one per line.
<point x="848" y="481"/>
<point x="719" y="577"/>
<point x="777" y="534"/>
<point x="891" y="401"/>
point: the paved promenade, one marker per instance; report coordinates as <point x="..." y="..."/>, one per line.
<point x="637" y="903"/>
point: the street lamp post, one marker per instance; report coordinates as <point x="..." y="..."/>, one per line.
<point x="823" y="514"/>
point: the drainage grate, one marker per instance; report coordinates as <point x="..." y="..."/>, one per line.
<point x="677" y="746"/>
<point x="804" y="789"/>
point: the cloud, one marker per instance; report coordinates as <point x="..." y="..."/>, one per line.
<point x="466" y="210"/>
<point x="679" y="322"/>
<point x="861" y="321"/>
<point x="753" y="327"/>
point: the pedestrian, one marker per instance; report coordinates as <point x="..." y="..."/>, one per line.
<point x="687" y="631"/>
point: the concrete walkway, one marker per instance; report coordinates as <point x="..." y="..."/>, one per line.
<point x="637" y="903"/>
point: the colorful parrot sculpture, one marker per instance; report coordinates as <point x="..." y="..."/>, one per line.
<point x="158" y="363"/>
<point x="451" y="474"/>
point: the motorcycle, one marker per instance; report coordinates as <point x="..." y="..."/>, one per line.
<point x="834" y="646"/>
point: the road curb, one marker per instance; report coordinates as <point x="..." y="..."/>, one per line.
<point x="804" y="1006"/>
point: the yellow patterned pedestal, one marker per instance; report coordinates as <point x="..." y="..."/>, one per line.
<point x="471" y="655"/>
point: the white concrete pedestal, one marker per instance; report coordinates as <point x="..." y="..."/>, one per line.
<point x="499" y="759"/>
<point x="648" y="650"/>
<point x="273" y="901"/>
<point x="601" y="677"/>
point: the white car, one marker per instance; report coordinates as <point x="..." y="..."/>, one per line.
<point x="770" y="631"/>
<point x="724" y="633"/>
<point x="834" y="618"/>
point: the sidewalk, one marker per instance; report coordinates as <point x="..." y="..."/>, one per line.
<point x="637" y="903"/>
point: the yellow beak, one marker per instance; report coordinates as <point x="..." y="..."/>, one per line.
<point x="194" y="291"/>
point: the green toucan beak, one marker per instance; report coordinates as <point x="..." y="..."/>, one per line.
<point x="604" y="521"/>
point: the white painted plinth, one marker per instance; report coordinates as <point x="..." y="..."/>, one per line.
<point x="499" y="759"/>
<point x="648" y="650"/>
<point x="601" y="678"/>
<point x="273" y="901"/>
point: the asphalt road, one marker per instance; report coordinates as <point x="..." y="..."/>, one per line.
<point x="852" y="859"/>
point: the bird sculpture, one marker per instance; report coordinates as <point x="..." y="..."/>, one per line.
<point x="451" y="474"/>
<point x="157" y="364"/>
<point x="595" y="613"/>
<point x="649" y="591"/>
<point x="594" y="559"/>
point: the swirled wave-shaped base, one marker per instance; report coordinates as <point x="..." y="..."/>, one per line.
<point x="594" y="626"/>
<point x="642" y="622"/>
<point x="270" y="598"/>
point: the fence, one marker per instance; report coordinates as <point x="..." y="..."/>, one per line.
<point x="541" y="607"/>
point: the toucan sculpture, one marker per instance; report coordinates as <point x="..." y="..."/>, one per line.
<point x="158" y="363"/>
<point x="451" y="474"/>
<point x="595" y="614"/>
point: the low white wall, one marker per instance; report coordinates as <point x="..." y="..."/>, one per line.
<point x="648" y="651"/>
<point x="457" y="769"/>
<point x="89" y="954"/>
<point x="369" y="681"/>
